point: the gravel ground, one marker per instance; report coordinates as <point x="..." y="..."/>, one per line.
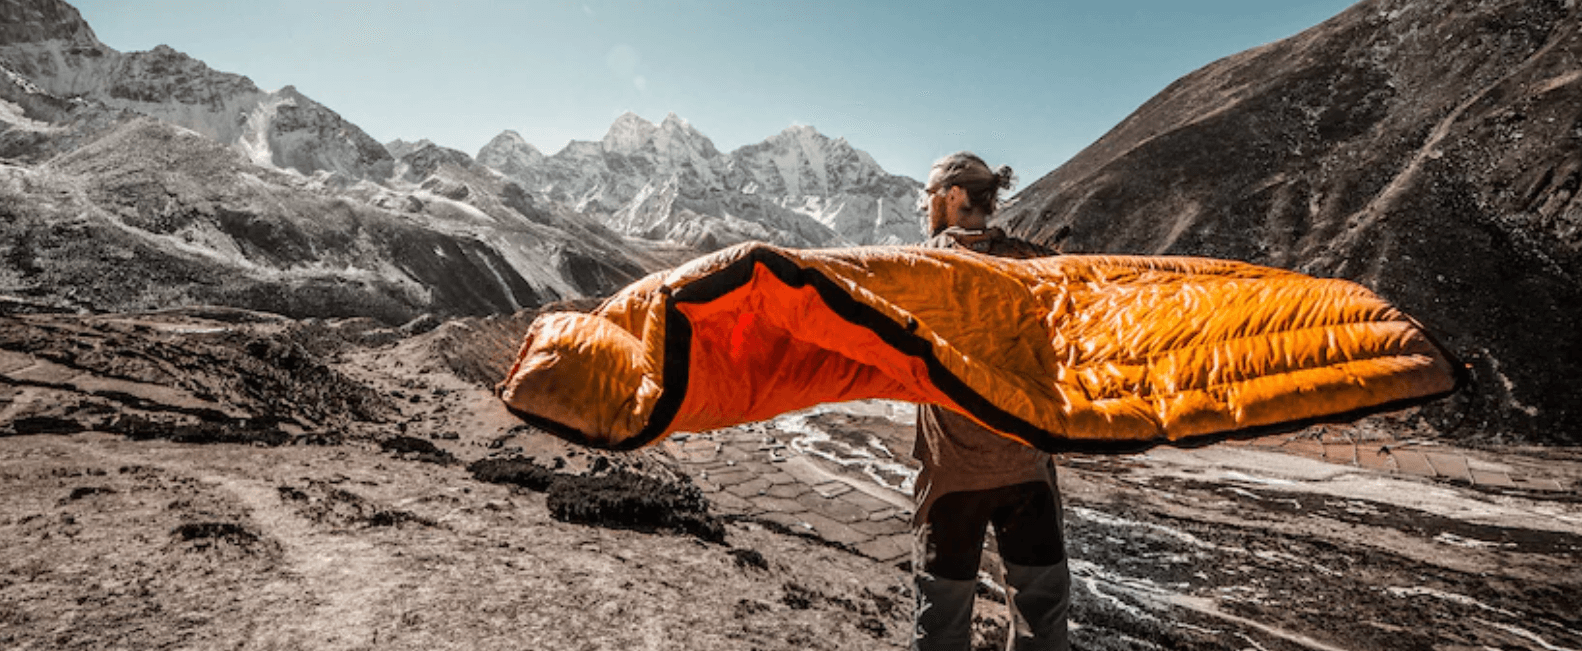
<point x="159" y="513"/>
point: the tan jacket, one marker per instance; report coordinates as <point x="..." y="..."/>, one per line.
<point x="958" y="454"/>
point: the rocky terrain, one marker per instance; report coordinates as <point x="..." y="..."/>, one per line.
<point x="1431" y="151"/>
<point x="207" y="478"/>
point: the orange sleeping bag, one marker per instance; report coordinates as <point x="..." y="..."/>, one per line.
<point x="1060" y="353"/>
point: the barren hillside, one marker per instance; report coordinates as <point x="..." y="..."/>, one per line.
<point x="1429" y="150"/>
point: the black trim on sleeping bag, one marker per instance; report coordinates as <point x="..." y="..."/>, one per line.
<point x="678" y="371"/>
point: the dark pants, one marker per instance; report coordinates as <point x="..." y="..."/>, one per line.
<point x="1028" y="526"/>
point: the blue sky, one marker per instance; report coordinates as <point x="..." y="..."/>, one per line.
<point x="1027" y="84"/>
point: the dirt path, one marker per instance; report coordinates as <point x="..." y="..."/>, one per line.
<point x="334" y="584"/>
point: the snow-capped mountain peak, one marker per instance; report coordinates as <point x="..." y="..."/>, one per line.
<point x="510" y="154"/>
<point x="628" y="134"/>
<point x="668" y="181"/>
<point x="677" y="142"/>
<point x="513" y="140"/>
<point x="674" y="121"/>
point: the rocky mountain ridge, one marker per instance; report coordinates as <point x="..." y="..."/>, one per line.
<point x="669" y="181"/>
<point x="660" y="182"/>
<point x="48" y="43"/>
<point x="1431" y="151"/>
<point x="145" y="215"/>
<point x="144" y="181"/>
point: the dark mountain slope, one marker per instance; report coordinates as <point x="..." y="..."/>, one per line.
<point x="1430" y="150"/>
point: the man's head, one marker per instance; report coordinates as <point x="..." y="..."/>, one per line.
<point x="963" y="191"/>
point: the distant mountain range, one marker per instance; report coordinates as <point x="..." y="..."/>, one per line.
<point x="667" y="181"/>
<point x="1430" y="150"/>
<point x="207" y="189"/>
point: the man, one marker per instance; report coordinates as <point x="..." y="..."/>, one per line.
<point x="972" y="477"/>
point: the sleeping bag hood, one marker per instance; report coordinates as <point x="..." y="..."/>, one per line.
<point x="1059" y="353"/>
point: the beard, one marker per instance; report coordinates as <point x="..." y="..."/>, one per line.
<point x="938" y="219"/>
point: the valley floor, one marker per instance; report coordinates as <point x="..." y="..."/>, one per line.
<point x="383" y="534"/>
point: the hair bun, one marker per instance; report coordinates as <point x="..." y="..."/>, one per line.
<point x="1003" y="177"/>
